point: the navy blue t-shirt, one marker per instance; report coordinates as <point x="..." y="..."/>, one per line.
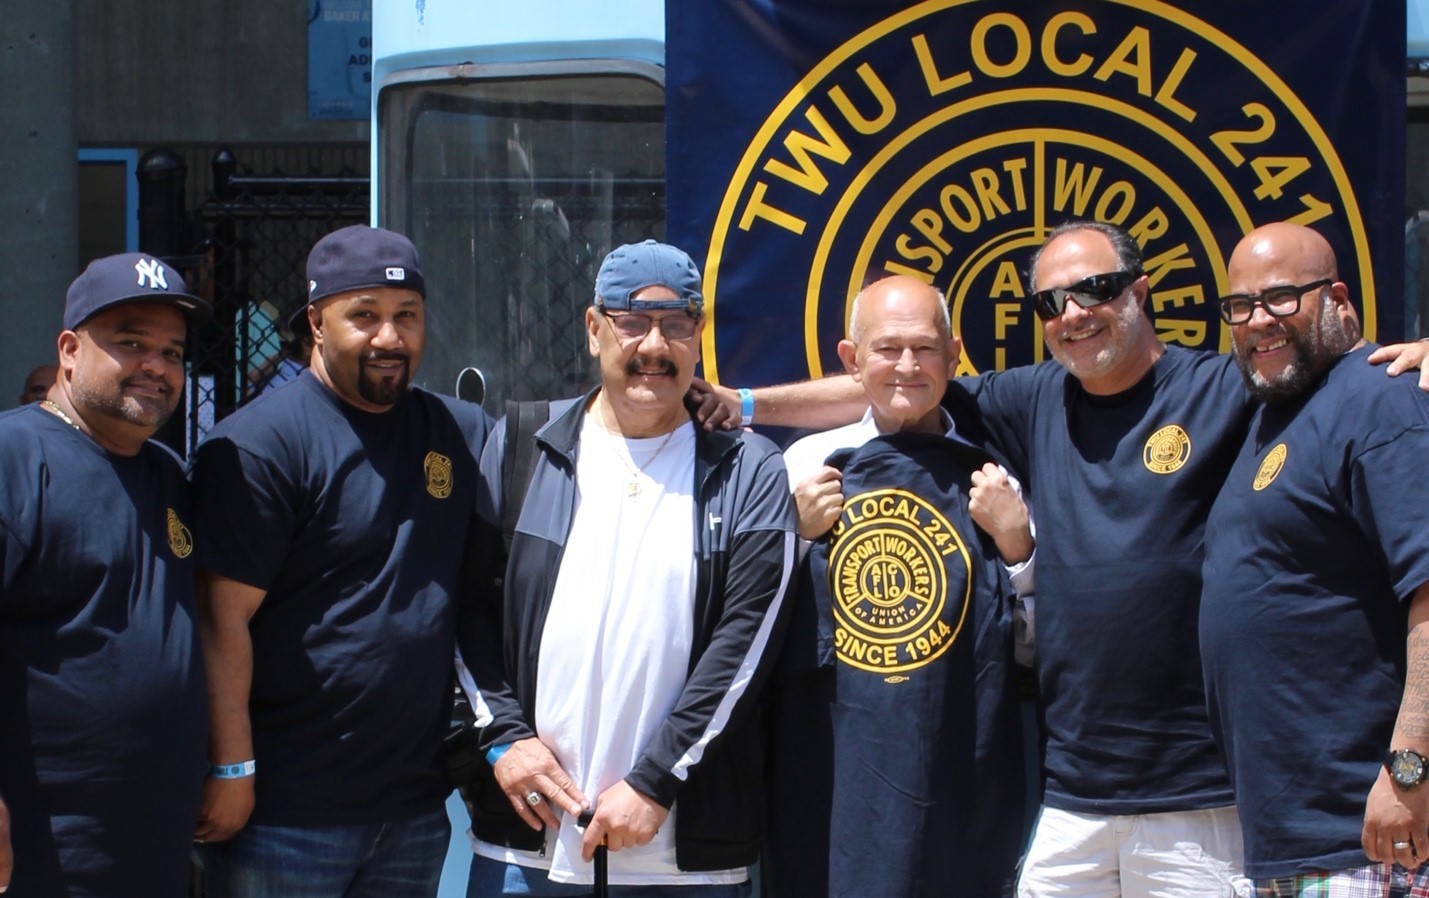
<point x="103" y="720"/>
<point x="1121" y="488"/>
<point x="1310" y="558"/>
<point x="355" y="525"/>
<point x="928" y="777"/>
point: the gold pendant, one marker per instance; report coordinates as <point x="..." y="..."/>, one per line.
<point x="632" y="490"/>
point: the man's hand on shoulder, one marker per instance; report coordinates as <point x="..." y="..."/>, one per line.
<point x="624" y="818"/>
<point x="1404" y="357"/>
<point x="820" y="500"/>
<point x="714" y="407"/>
<point x="528" y="768"/>
<point x="224" y="808"/>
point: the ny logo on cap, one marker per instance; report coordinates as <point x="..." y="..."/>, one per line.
<point x="396" y="274"/>
<point x="152" y="271"/>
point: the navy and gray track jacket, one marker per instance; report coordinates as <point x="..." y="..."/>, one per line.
<point x="709" y="753"/>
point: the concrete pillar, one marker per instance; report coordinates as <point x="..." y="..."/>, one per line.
<point x="39" y="184"/>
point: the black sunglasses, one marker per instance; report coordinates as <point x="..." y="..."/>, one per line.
<point x="1281" y="301"/>
<point x="1088" y="292"/>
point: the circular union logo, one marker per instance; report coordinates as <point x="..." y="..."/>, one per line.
<point x="1166" y="450"/>
<point x="181" y="541"/>
<point x="439" y="474"/>
<point x="944" y="141"/>
<point x="898" y="575"/>
<point x="1270" y="468"/>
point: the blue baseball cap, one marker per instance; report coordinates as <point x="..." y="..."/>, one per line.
<point x="130" y="278"/>
<point x="635" y="266"/>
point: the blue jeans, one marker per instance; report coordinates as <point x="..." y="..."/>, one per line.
<point x="494" y="879"/>
<point x="396" y="859"/>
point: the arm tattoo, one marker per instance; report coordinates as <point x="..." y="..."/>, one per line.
<point x="1414" y="711"/>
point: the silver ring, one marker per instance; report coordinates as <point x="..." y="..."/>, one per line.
<point x="533" y="798"/>
<point x="1403" y="845"/>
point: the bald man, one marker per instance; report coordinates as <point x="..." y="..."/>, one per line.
<point x="897" y="672"/>
<point x="1317" y="589"/>
<point x="38" y="383"/>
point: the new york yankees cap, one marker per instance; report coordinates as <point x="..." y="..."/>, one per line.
<point x="130" y="277"/>
<point x="634" y="266"/>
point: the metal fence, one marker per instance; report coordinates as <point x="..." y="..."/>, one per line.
<point x="244" y="250"/>
<point x="510" y="263"/>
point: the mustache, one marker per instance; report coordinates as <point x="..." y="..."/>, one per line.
<point x="148" y="380"/>
<point x="665" y="366"/>
<point x="385" y="355"/>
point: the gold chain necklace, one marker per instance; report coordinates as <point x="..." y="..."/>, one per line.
<point x="632" y="489"/>
<point x="49" y="404"/>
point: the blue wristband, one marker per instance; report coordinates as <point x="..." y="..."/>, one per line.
<point x="494" y="753"/>
<point x="233" y="771"/>
<point x="746" y="406"/>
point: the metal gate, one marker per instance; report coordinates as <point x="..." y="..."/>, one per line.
<point x="243" y="249"/>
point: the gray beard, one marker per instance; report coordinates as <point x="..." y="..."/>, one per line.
<point x="1314" y="354"/>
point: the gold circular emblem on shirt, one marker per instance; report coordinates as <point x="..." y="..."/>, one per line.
<point x="181" y="541"/>
<point x="439" y="474"/>
<point x="889" y="580"/>
<point x="1166" y="450"/>
<point x="1269" y="468"/>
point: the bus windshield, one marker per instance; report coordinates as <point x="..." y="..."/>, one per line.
<point x="514" y="187"/>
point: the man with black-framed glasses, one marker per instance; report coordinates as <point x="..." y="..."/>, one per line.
<point x="1316" y="595"/>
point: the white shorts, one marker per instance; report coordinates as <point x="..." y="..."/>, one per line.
<point x="1178" y="854"/>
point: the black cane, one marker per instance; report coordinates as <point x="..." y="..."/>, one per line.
<point x="601" y="859"/>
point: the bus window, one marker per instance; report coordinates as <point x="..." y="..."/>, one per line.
<point x="514" y="187"/>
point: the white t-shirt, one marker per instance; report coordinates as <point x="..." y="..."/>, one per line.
<point x="615" y="651"/>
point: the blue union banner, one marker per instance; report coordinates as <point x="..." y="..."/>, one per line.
<point x="816" y="145"/>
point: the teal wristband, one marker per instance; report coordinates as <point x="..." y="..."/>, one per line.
<point x="494" y="753"/>
<point x="233" y="771"/>
<point x="746" y="406"/>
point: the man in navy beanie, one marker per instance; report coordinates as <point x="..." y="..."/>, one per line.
<point x="332" y="517"/>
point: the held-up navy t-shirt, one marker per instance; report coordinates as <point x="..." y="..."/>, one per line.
<point x="355" y="525"/>
<point x="103" y="721"/>
<point x="924" y="703"/>
<point x="1122" y="486"/>
<point x="1312" y="551"/>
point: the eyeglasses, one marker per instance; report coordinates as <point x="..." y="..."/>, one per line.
<point x="1088" y="292"/>
<point x="634" y="325"/>
<point x="1281" y="301"/>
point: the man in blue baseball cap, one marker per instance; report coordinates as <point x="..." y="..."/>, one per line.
<point x="332" y="524"/>
<point x="623" y="655"/>
<point x="101" y="685"/>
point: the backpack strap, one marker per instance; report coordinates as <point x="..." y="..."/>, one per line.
<point x="518" y="462"/>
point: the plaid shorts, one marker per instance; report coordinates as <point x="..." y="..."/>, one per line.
<point x="1374" y="881"/>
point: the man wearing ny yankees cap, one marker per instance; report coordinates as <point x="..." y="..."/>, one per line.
<point x="102" y="724"/>
<point x="332" y="517"/>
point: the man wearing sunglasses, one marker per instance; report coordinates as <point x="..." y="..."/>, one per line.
<point x="623" y="657"/>
<point x="1317" y="589"/>
<point x="1122" y="444"/>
